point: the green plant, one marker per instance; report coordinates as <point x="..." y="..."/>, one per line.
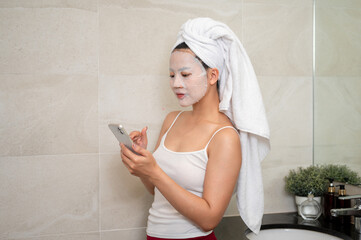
<point x="339" y="173"/>
<point x="314" y="179"/>
<point x="304" y="180"/>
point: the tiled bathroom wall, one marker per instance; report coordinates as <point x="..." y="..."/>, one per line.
<point x="338" y="83"/>
<point x="68" y="68"/>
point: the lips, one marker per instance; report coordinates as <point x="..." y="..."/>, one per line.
<point x="180" y="95"/>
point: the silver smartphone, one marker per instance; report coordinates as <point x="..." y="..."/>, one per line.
<point x="122" y="136"/>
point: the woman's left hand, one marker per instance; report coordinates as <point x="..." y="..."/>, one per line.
<point x="142" y="165"/>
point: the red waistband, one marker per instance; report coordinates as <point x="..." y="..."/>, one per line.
<point x="208" y="237"/>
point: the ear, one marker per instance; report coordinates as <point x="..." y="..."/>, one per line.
<point x="213" y="75"/>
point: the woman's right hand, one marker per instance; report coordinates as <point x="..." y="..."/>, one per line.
<point x="140" y="138"/>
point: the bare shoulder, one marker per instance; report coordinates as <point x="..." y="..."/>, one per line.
<point x="168" y="120"/>
<point x="227" y="135"/>
<point x="166" y="125"/>
<point x="225" y="142"/>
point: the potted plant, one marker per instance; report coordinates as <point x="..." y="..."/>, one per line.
<point x="302" y="181"/>
<point x="340" y="173"/>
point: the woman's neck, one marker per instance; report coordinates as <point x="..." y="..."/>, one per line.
<point x="207" y="107"/>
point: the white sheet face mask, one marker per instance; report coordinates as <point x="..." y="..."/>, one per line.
<point x="188" y="78"/>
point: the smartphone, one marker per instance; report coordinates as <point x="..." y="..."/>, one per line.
<point x="122" y="136"/>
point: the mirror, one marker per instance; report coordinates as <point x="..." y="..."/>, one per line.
<point x="337" y="83"/>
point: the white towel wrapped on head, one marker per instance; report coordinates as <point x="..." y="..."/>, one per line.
<point x="241" y="100"/>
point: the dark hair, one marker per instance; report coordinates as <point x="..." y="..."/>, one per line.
<point x="183" y="45"/>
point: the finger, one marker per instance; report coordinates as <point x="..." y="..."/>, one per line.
<point x="134" y="134"/>
<point x="126" y="161"/>
<point x="129" y="161"/>
<point x="140" y="150"/>
<point x="144" y="136"/>
<point x="127" y="152"/>
<point x="137" y="138"/>
<point x="144" y="132"/>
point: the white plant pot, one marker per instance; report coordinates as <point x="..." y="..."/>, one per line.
<point x="299" y="200"/>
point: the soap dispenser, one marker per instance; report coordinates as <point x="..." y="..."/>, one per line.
<point x="343" y="204"/>
<point x="310" y="209"/>
<point x="329" y="201"/>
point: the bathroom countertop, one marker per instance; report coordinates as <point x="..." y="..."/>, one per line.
<point x="233" y="228"/>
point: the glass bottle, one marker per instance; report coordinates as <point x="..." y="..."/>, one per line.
<point x="310" y="209"/>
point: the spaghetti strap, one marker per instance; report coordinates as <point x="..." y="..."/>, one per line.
<point x="217" y="132"/>
<point x="175" y="119"/>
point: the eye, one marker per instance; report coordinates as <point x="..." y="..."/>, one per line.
<point x="186" y="74"/>
<point x="171" y="75"/>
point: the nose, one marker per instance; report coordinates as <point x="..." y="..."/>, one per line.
<point x="177" y="82"/>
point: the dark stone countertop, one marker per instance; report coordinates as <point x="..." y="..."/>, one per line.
<point x="233" y="228"/>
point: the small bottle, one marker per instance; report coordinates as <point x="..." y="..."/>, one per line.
<point x="329" y="201"/>
<point x="310" y="209"/>
<point x="343" y="204"/>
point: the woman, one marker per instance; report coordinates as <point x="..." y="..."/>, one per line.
<point x="195" y="167"/>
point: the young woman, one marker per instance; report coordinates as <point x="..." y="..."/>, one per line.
<point x="195" y="167"/>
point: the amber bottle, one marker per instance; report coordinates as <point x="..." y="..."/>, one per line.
<point x="329" y="201"/>
<point x="345" y="220"/>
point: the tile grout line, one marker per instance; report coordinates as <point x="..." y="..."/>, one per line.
<point x="52" y="155"/>
<point x="123" y="229"/>
<point x="99" y="169"/>
<point x="78" y="233"/>
<point x="313" y="77"/>
<point x="242" y="21"/>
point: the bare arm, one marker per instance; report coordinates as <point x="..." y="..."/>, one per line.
<point x="223" y="167"/>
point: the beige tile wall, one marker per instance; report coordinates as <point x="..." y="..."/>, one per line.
<point x="338" y="39"/>
<point x="338" y="83"/>
<point x="337" y="121"/>
<point x="67" y="68"/>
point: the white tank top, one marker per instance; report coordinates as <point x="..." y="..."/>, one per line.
<point x="188" y="170"/>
